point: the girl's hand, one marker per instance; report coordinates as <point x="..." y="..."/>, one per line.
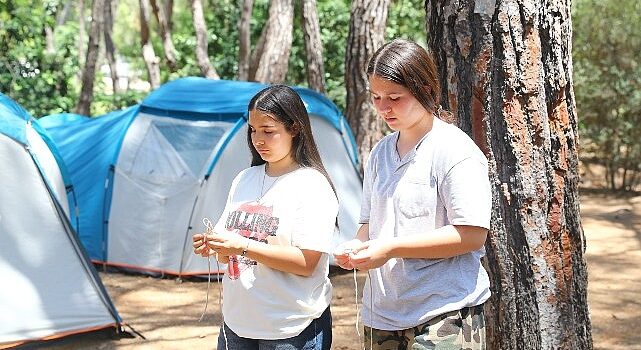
<point x="343" y="253"/>
<point x="372" y="254"/>
<point x="199" y="245"/>
<point x="226" y="243"/>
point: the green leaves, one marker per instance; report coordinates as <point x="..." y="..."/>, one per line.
<point x="607" y="82"/>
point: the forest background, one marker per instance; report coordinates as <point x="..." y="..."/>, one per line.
<point x="44" y="52"/>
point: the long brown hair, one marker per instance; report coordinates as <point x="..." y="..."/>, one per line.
<point x="408" y="64"/>
<point x="284" y="104"/>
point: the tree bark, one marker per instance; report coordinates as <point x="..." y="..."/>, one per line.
<point x="366" y="34"/>
<point x="89" y="71"/>
<point x="165" y="34"/>
<point x="506" y="71"/>
<point x="148" y="54"/>
<point x="206" y="69"/>
<point x="169" y="10"/>
<point x="110" y="49"/>
<point x="273" y="63"/>
<point x="257" y="53"/>
<point x="81" y="33"/>
<point x="313" y="47"/>
<point x="244" y="39"/>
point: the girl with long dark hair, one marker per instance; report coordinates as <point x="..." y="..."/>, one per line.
<point x="276" y="232"/>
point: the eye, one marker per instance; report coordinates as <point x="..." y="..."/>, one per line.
<point x="375" y="97"/>
<point x="252" y="130"/>
<point x="268" y="132"/>
<point x="394" y="98"/>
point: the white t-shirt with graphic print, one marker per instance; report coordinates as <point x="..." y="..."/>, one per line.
<point x="296" y="209"/>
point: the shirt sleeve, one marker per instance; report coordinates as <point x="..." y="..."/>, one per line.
<point x="316" y="217"/>
<point x="465" y="191"/>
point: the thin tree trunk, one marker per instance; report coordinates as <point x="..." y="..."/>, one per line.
<point x="200" y="27"/>
<point x="50" y="40"/>
<point x="63" y="15"/>
<point x="89" y="71"/>
<point x="110" y="49"/>
<point x="169" y="10"/>
<point x="165" y="34"/>
<point x="244" y="39"/>
<point x="313" y="47"/>
<point x="273" y="63"/>
<point x="148" y="54"/>
<point x="257" y="53"/>
<point x="82" y="50"/>
<point x="366" y="34"/>
<point x="506" y="71"/>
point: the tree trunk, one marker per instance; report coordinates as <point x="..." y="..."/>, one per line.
<point x="257" y="53"/>
<point x="165" y="34"/>
<point x="244" y="39"/>
<point x="63" y="15"/>
<point x="148" y="54"/>
<point x="206" y="69"/>
<point x="50" y="40"/>
<point x="313" y="47"/>
<point x="81" y="33"/>
<point x="110" y="49"/>
<point x="169" y="10"/>
<point x="89" y="71"/>
<point x="366" y="35"/>
<point x="506" y="71"/>
<point x="273" y="63"/>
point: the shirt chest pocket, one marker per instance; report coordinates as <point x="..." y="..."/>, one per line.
<point x="416" y="198"/>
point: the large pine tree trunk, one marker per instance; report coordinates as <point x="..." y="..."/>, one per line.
<point x="506" y="70"/>
<point x="244" y="39"/>
<point x="165" y="33"/>
<point x="273" y="63"/>
<point x="93" y="48"/>
<point x="148" y="53"/>
<point x="110" y="49"/>
<point x="313" y="46"/>
<point x="200" y="26"/>
<point x="366" y="34"/>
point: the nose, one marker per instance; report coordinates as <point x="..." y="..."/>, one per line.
<point x="383" y="106"/>
<point x="257" y="140"/>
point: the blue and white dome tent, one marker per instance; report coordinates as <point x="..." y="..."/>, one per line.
<point x="147" y="175"/>
<point x="50" y="288"/>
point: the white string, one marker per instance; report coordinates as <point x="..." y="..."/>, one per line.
<point x="371" y="311"/>
<point x="210" y="230"/>
<point x="358" y="311"/>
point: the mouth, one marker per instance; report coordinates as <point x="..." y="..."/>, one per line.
<point x="389" y="119"/>
<point x="262" y="150"/>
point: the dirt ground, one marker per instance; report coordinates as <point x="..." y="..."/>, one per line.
<point x="166" y="311"/>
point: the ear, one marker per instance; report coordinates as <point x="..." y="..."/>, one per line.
<point x="295" y="129"/>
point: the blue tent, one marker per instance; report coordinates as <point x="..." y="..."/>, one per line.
<point x="50" y="288"/>
<point x="147" y="175"/>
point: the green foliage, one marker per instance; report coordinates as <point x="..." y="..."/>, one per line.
<point x="49" y="83"/>
<point x="607" y="82"/>
<point x="42" y="82"/>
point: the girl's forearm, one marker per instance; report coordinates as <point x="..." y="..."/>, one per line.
<point x="445" y="242"/>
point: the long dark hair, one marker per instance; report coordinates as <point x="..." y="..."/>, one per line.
<point x="408" y="64"/>
<point x="284" y="104"/>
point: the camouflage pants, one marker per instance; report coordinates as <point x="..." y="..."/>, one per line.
<point x="457" y="330"/>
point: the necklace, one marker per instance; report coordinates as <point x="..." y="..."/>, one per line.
<point x="264" y="191"/>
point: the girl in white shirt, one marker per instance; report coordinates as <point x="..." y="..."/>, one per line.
<point x="276" y="233"/>
<point x="425" y="215"/>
